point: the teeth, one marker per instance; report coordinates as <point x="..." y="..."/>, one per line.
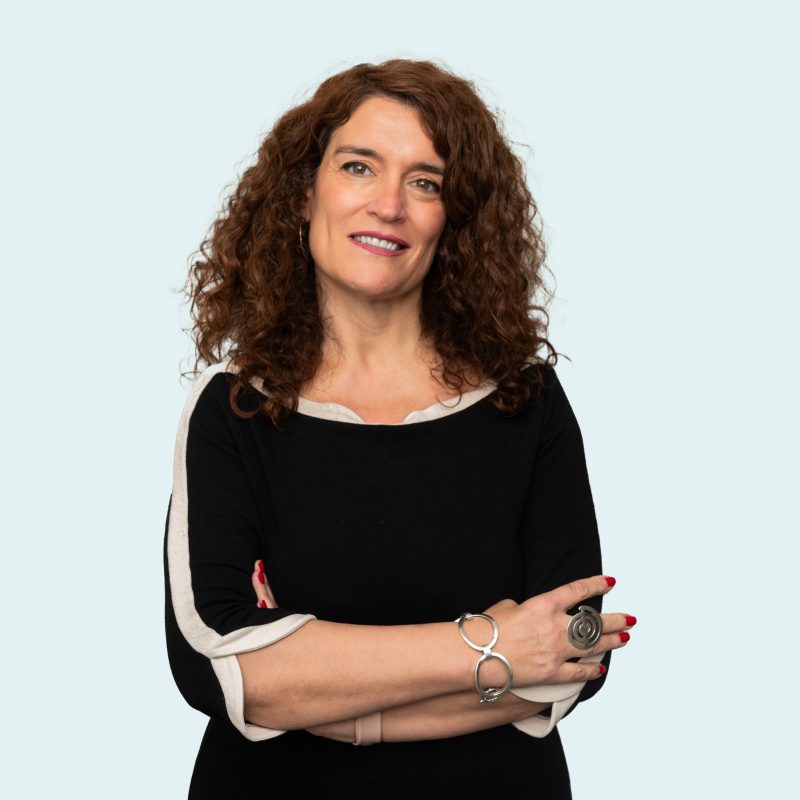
<point x="384" y="243"/>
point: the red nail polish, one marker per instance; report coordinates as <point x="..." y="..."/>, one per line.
<point x="260" y="565"/>
<point x="602" y="669"/>
<point x="624" y="636"/>
<point x="262" y="603"/>
<point x="610" y="581"/>
<point x="261" y="578"/>
<point x="629" y="620"/>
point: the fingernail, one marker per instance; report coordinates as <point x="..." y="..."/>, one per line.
<point x="602" y="668"/>
<point x="262" y="603"/>
<point x="260" y="565"/>
<point x="610" y="581"/>
<point x="629" y="620"/>
<point x="624" y="636"/>
<point x="261" y="577"/>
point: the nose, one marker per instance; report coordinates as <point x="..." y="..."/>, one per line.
<point x="388" y="200"/>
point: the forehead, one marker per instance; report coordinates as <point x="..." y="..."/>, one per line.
<point x="388" y="127"/>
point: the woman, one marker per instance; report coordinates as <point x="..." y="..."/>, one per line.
<point x="377" y="432"/>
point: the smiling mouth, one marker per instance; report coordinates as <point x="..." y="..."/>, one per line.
<point x="376" y="245"/>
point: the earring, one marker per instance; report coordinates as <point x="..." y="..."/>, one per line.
<point x="302" y="246"/>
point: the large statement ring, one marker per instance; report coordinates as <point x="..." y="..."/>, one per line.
<point x="585" y="628"/>
<point x="491" y="694"/>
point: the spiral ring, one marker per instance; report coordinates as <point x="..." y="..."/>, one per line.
<point x="585" y="628"/>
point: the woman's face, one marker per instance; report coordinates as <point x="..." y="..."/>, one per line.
<point x="380" y="177"/>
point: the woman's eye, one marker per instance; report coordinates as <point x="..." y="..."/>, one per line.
<point x="429" y="186"/>
<point x="360" y="167"/>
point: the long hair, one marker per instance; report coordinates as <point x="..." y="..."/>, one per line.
<point x="252" y="285"/>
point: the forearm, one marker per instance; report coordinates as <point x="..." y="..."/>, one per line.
<point x="448" y="715"/>
<point x="329" y="671"/>
<point x="453" y="714"/>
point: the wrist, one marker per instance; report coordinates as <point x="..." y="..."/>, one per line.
<point x="486" y="682"/>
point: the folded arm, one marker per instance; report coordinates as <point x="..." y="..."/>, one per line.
<point x="445" y="715"/>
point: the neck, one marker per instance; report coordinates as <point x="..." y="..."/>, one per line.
<point x="373" y="338"/>
<point x="372" y="335"/>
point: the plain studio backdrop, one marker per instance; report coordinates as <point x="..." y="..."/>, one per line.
<point x="661" y="141"/>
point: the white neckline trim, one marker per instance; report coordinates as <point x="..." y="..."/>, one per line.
<point x="341" y="413"/>
<point x="337" y="412"/>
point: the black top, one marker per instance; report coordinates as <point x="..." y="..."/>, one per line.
<point x="367" y="524"/>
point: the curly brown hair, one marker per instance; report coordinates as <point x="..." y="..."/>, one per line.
<point x="253" y="289"/>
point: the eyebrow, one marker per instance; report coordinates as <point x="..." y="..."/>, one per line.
<point x="369" y="153"/>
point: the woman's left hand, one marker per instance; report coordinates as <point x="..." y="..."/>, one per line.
<point x="264" y="596"/>
<point x="341" y="731"/>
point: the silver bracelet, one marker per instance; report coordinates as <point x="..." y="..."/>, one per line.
<point x="493" y="693"/>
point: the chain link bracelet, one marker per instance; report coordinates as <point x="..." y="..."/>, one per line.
<point x="489" y="695"/>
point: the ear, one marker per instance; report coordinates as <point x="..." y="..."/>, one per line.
<point x="306" y="203"/>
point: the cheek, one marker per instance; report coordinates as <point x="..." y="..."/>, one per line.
<point x="335" y="202"/>
<point x="436" y="233"/>
<point x="431" y="226"/>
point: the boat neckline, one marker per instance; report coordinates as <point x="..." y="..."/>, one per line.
<point x="441" y="409"/>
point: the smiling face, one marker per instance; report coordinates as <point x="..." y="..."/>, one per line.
<point x="379" y="180"/>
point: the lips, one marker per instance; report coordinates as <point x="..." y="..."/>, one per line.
<point x="378" y="235"/>
<point x="384" y="251"/>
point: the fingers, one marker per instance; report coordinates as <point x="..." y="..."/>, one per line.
<point x="615" y="635"/>
<point x="264" y="596"/>
<point x="608" y="641"/>
<point x="585" y="671"/>
<point x="571" y="594"/>
<point x="553" y="632"/>
<point x="259" y="585"/>
<point x="270" y="596"/>
<point x="616" y="622"/>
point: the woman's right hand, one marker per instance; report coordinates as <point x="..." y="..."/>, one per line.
<point x="533" y="636"/>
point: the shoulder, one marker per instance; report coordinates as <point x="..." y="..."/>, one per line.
<point x="543" y="382"/>
<point x="560" y="426"/>
<point x="208" y="401"/>
<point x="548" y="398"/>
<point x="209" y="385"/>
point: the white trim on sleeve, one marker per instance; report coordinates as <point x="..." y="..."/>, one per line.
<point x="561" y="695"/>
<point x="221" y="650"/>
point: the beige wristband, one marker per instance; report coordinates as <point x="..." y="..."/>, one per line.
<point x="368" y="728"/>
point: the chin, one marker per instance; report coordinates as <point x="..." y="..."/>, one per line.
<point x="373" y="286"/>
<point x="378" y="291"/>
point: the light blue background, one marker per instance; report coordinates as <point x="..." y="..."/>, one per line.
<point x="663" y="152"/>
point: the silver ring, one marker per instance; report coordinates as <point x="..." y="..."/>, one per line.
<point x="585" y="628"/>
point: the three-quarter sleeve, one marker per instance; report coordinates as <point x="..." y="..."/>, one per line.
<point x="212" y="539"/>
<point x="560" y="541"/>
